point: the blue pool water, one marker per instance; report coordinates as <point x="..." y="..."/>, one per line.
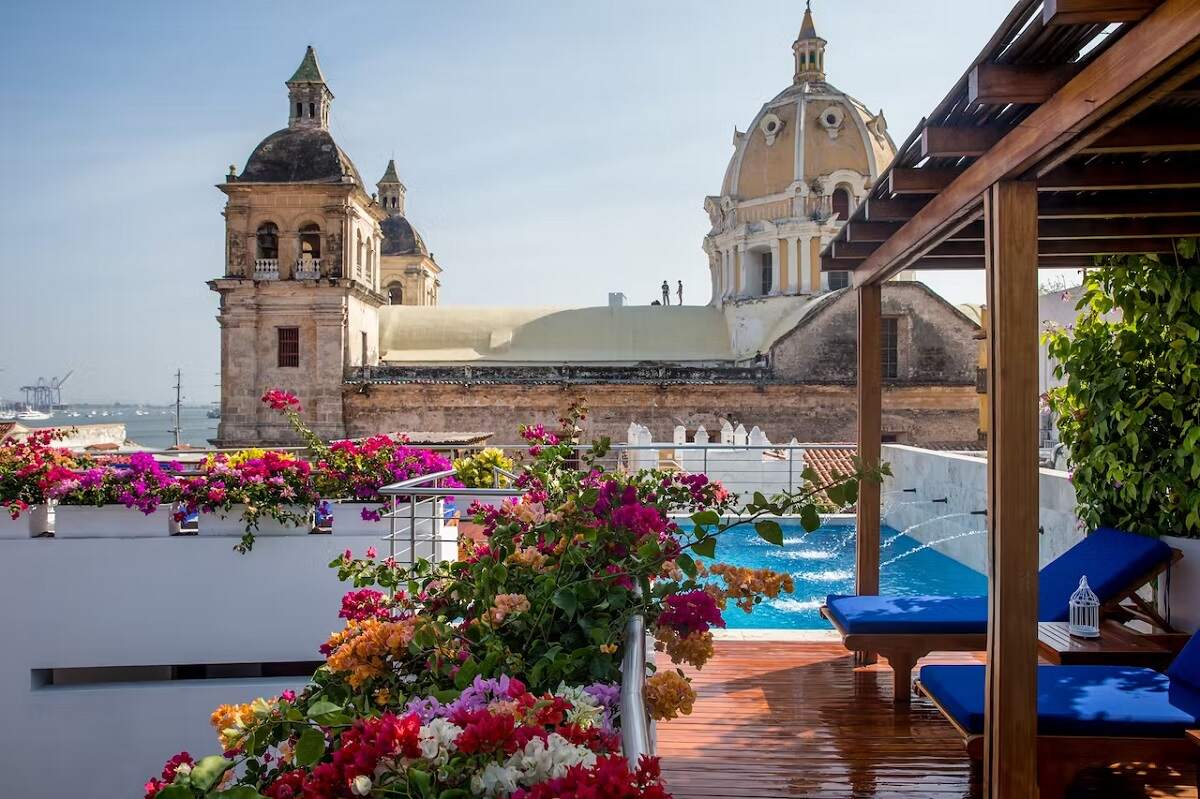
<point x="822" y="563"/>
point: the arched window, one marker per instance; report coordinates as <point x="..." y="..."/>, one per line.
<point x="310" y="242"/>
<point x="268" y="241"/>
<point x="358" y="255"/>
<point x="841" y="203"/>
<point x="299" y="110"/>
<point x="395" y="294"/>
<point x="312" y="110"/>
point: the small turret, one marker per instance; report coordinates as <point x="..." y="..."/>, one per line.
<point x="309" y="97"/>
<point x="391" y="191"/>
<point x="809" y="49"/>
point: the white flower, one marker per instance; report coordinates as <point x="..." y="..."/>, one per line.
<point x="436" y="740"/>
<point x="584" y="711"/>
<point x="360" y="785"/>
<point x="183" y="769"/>
<point x="495" y="780"/>
<point x="544" y="760"/>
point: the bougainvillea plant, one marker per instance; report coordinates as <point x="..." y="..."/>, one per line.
<point x="1129" y="412"/>
<point x="416" y="695"/>
<point x="25" y="463"/>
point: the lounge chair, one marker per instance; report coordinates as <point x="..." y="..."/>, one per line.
<point x="1087" y="715"/>
<point x="906" y="628"/>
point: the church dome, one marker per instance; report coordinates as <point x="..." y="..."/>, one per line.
<point x="810" y="132"/>
<point x="299" y="155"/>
<point x="401" y="238"/>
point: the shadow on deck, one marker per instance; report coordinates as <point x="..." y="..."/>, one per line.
<point x="795" y="719"/>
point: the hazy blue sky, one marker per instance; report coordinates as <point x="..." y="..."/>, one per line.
<point x="553" y="151"/>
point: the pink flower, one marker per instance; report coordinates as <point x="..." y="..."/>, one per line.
<point x="371" y="553"/>
<point x="281" y="400"/>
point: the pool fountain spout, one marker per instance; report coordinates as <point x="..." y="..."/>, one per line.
<point x="943" y="500"/>
<point x="979" y="513"/>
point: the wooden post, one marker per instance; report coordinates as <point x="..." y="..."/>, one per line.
<point x="870" y="436"/>
<point x="1010" y="727"/>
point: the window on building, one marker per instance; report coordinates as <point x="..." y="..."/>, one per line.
<point x="299" y="109"/>
<point x="841" y="203"/>
<point x="358" y="256"/>
<point x="838" y="280"/>
<point x="268" y="241"/>
<point x="288" y="346"/>
<point x="310" y="242"/>
<point x="890" y="344"/>
<point x="364" y="348"/>
<point x="395" y="294"/>
<point x="767" y="275"/>
<point x="312" y="110"/>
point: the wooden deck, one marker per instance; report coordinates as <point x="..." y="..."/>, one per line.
<point x="795" y="719"/>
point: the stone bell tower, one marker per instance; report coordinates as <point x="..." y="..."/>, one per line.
<point x="300" y="291"/>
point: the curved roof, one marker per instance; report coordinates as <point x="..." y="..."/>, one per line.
<point x="401" y="238"/>
<point x="494" y="335"/>
<point x="863" y="140"/>
<point x="299" y="155"/>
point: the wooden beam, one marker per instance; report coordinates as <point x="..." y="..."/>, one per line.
<point x="1120" y="228"/>
<point x="946" y="142"/>
<point x="1094" y="12"/>
<point x="1010" y="705"/>
<point x="1163" y="135"/>
<point x="974" y="248"/>
<point x="895" y="209"/>
<point x="1001" y="84"/>
<point x="1117" y="78"/>
<point x="1107" y="177"/>
<point x="870" y="440"/>
<point x="968" y="262"/>
<point x="930" y="180"/>
<point x="1112" y="204"/>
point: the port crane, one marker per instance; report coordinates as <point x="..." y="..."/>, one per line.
<point x="46" y="394"/>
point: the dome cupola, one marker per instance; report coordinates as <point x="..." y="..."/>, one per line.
<point x="809" y="49"/>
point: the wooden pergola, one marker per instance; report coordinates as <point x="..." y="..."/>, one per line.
<point x="1074" y="133"/>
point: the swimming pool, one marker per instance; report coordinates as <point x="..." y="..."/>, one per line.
<point x="822" y="563"/>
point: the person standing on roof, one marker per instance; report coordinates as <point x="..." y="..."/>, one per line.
<point x="679" y="292"/>
<point x="666" y="290"/>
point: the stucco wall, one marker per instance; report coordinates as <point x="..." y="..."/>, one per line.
<point x="808" y="413"/>
<point x="936" y="341"/>
<point x="962" y="481"/>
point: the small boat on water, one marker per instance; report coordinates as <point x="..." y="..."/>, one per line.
<point x="7" y="415"/>
<point x="30" y="415"/>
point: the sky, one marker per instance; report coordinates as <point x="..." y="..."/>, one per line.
<point x="553" y="151"/>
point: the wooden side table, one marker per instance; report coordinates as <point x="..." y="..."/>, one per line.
<point x="1117" y="646"/>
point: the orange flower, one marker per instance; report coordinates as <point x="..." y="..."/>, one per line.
<point x="696" y="648"/>
<point x="744" y="585"/>
<point x="669" y="695"/>
<point x="364" y="648"/>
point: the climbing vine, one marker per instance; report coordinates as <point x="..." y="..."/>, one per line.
<point x="1129" y="412"/>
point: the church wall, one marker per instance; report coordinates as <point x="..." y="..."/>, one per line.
<point x="936" y="343"/>
<point x="916" y="415"/>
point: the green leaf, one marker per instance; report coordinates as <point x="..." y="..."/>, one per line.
<point x="810" y="519"/>
<point x="322" y="710"/>
<point x="175" y="792"/>
<point x="236" y="792"/>
<point x="466" y="673"/>
<point x="310" y="747"/>
<point x="705" y="547"/>
<point x="208" y="771"/>
<point x="769" y="531"/>
<point x="684" y="561"/>
<point x="706" y="518"/>
<point x="454" y="793"/>
<point x="421" y="781"/>
<point x="565" y="599"/>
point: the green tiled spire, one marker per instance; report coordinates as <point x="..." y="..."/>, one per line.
<point x="309" y="70"/>
<point x="389" y="175"/>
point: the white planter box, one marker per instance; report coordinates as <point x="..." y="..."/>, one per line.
<point x="348" y="520"/>
<point x="1184" y="597"/>
<point x="111" y="521"/>
<point x="232" y="524"/>
<point x="14" y="528"/>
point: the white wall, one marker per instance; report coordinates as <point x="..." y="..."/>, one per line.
<point x="962" y="481"/>
<point x="72" y="603"/>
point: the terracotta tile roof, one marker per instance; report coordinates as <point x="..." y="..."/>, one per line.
<point x="827" y="461"/>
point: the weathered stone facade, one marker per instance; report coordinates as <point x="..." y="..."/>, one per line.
<point x="923" y="414"/>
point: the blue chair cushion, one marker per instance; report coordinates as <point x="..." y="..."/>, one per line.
<point x="909" y="614"/>
<point x="1186" y="666"/>
<point x="1111" y="701"/>
<point x="1113" y="560"/>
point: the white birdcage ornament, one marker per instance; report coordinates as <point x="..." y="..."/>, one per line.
<point x="1085" y="612"/>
